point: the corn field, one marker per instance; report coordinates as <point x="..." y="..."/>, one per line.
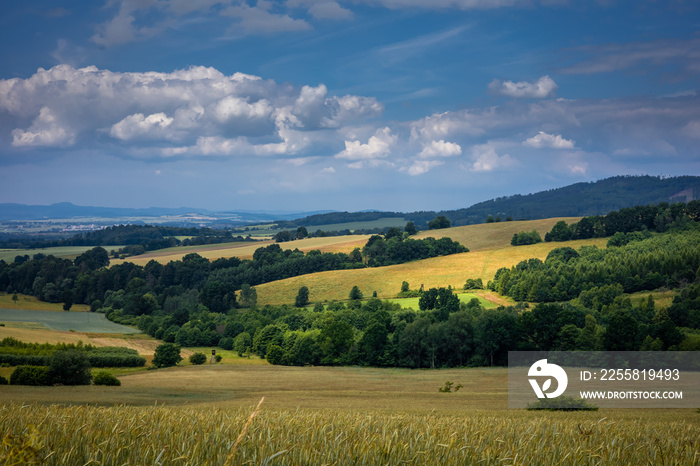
<point x="80" y="435"/>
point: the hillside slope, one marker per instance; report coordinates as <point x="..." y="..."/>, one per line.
<point x="490" y="250"/>
<point x="494" y="235"/>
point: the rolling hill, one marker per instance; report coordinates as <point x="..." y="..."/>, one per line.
<point x="490" y="250"/>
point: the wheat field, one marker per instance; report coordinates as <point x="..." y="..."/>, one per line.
<point x="324" y="415"/>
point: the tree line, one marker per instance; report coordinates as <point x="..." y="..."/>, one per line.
<point x="658" y="218"/>
<point x="145" y="237"/>
<point x="137" y="290"/>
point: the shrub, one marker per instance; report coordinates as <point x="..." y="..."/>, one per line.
<point x="526" y="237"/>
<point x="218" y="358"/>
<point x="116" y="360"/>
<point x="167" y="355"/>
<point x="474" y="284"/>
<point x="562" y="403"/>
<point x="30" y="375"/>
<point x="355" y="293"/>
<point x="3" y="380"/>
<point x="226" y="343"/>
<point x="302" y="298"/>
<point x="275" y="354"/>
<point x="70" y="367"/>
<point x="106" y="378"/>
<point x="198" y="358"/>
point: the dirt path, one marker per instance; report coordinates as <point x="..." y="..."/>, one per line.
<point x="491" y="296"/>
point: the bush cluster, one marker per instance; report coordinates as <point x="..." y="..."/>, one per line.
<point x="106" y="378"/>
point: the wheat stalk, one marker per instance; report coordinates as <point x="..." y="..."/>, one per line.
<point x="243" y="432"/>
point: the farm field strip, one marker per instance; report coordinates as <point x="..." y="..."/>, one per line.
<point x="64" y="252"/>
<point x="329" y="415"/>
<point x="66" y="321"/>
<point x="32" y="303"/>
<point x="245" y="250"/>
<point x="269" y="230"/>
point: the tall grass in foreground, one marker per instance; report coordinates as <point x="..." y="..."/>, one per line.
<point x="206" y="435"/>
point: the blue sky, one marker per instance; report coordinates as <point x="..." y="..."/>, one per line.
<point x="342" y="105"/>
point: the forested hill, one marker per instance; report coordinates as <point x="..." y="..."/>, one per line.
<point x="576" y="200"/>
<point x="586" y="199"/>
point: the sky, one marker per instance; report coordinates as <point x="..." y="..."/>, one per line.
<point x="304" y="105"/>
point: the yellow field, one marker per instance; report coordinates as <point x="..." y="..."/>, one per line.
<point x="492" y="235"/>
<point x="245" y="250"/>
<point x="386" y="281"/>
<point x="31" y="303"/>
<point x="321" y="415"/>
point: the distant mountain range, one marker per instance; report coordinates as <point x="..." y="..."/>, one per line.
<point x="580" y="199"/>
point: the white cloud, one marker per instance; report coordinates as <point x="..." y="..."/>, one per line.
<point x="46" y="130"/>
<point x="578" y="168"/>
<point x="543" y="87"/>
<point x="315" y="109"/>
<point x="258" y="20"/>
<point x="322" y="9"/>
<point x="441" y="125"/>
<point x="234" y="108"/>
<point x="440" y="149"/>
<point x="377" y="146"/>
<point x="420" y="167"/>
<point x="64" y="106"/>
<point x="137" y="125"/>
<point x="121" y="29"/>
<point x="330" y="170"/>
<point x="486" y="159"/>
<point x="548" y="141"/>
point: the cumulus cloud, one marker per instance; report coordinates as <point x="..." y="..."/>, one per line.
<point x="315" y="109"/>
<point x="548" y="141"/>
<point x="378" y="146"/>
<point x="542" y="88"/>
<point x="200" y="108"/>
<point x="486" y="159"/>
<point x="441" y="125"/>
<point x="440" y="149"/>
<point x="420" y="167"/>
<point x="46" y="130"/>
<point x="138" y="125"/>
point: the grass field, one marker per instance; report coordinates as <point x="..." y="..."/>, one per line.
<point x="322" y="415"/>
<point x="32" y="303"/>
<point x="463" y="297"/>
<point x="64" y="252"/>
<point x="271" y="229"/>
<point x="86" y="322"/>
